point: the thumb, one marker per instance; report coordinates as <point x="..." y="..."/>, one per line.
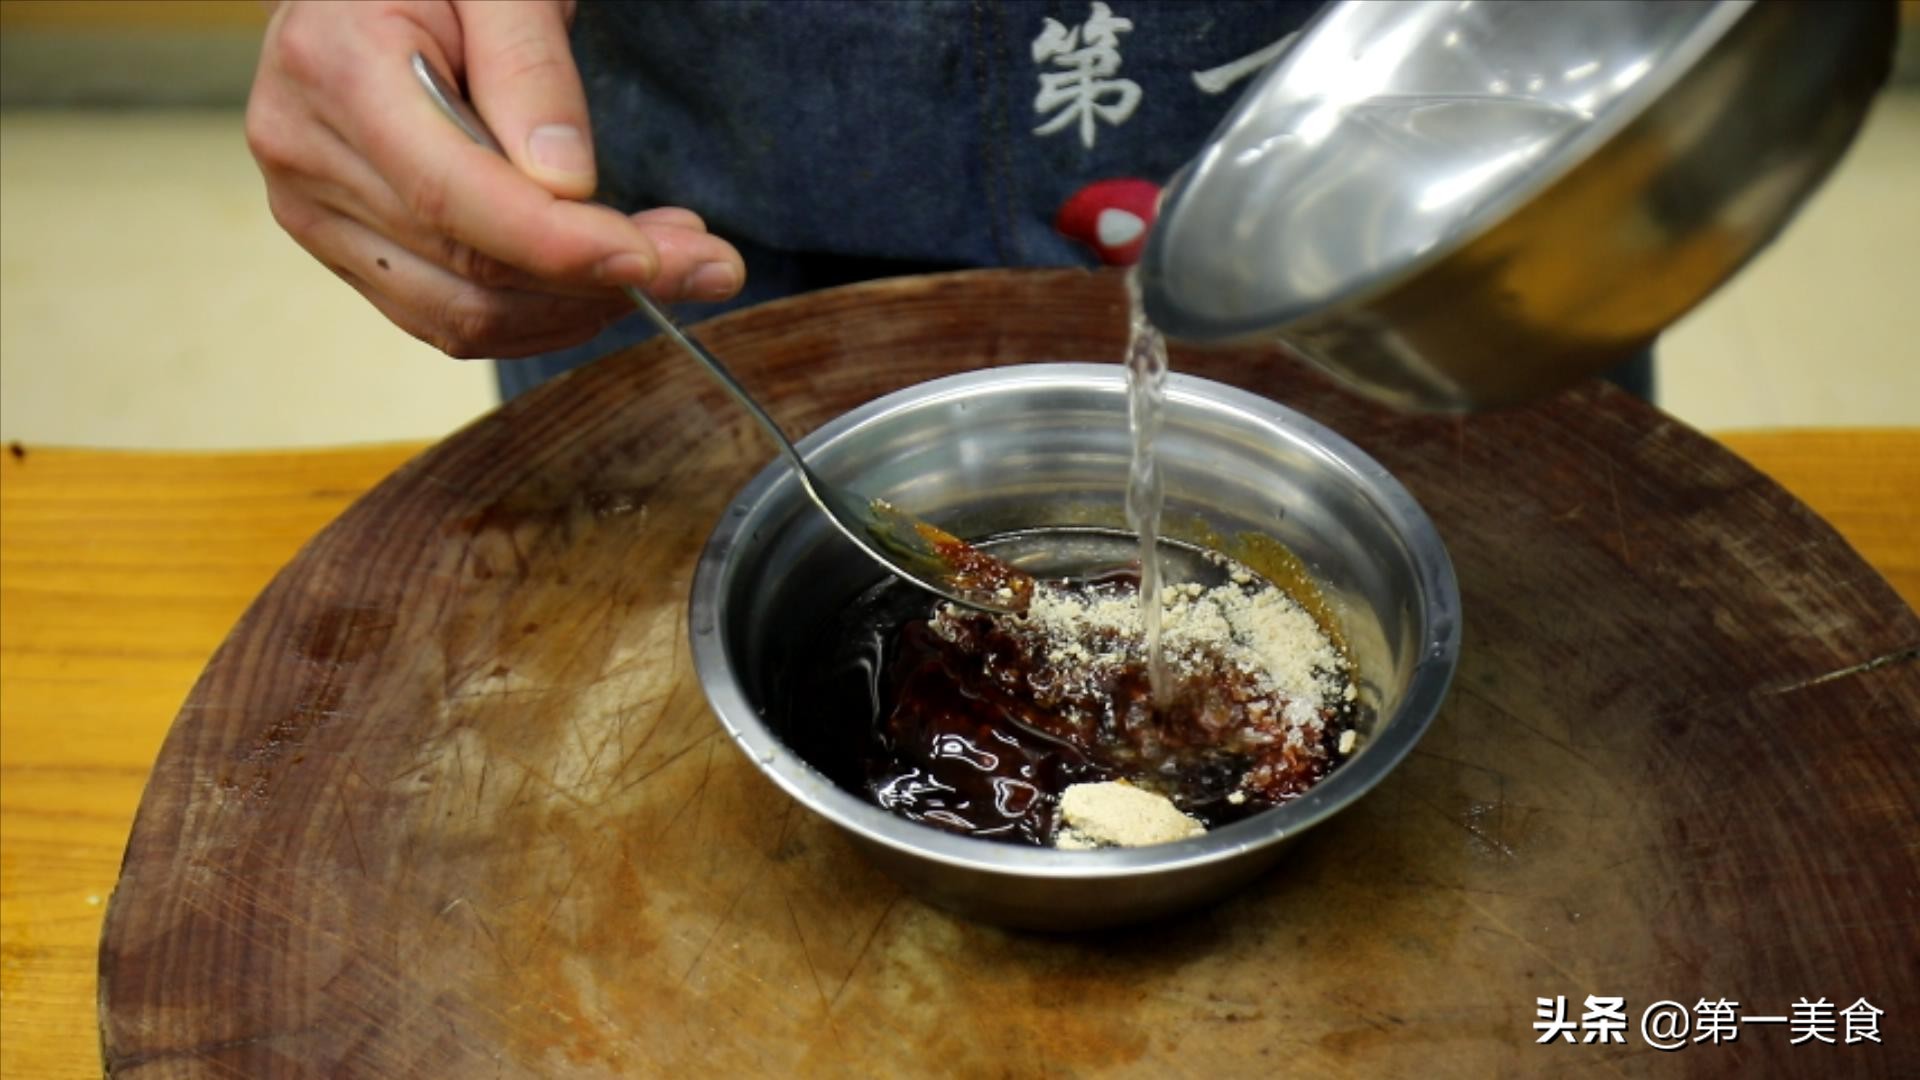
<point x="521" y="77"/>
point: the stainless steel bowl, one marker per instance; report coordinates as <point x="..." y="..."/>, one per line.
<point x="1020" y="447"/>
<point x="1470" y="203"/>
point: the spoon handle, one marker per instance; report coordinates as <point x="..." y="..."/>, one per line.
<point x="455" y="106"/>
<point x="719" y="371"/>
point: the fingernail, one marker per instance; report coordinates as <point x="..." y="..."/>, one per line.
<point x="712" y="281"/>
<point x="626" y="268"/>
<point x="560" y="149"/>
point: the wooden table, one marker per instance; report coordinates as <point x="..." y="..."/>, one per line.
<point x="121" y="572"/>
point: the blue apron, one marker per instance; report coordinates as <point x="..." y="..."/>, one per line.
<point x="835" y="141"/>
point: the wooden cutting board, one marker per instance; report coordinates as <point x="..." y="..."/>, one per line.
<point x="448" y="801"/>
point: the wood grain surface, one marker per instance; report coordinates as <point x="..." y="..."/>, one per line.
<point x="102" y="634"/>
<point x="119" y="575"/>
<point x="446" y="800"/>
<point x="1864" y="481"/>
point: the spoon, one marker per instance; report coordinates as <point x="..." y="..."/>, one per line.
<point x="914" y="549"/>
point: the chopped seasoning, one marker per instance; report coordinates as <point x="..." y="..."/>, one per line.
<point x="1009" y="726"/>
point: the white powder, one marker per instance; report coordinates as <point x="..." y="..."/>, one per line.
<point x="1267" y="679"/>
<point x="1247" y="625"/>
<point x="1114" y="813"/>
<point x="1265" y="632"/>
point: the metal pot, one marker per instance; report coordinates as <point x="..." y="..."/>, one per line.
<point x="1020" y="447"/>
<point x="1467" y="204"/>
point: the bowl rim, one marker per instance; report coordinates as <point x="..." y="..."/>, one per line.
<point x="1398" y="733"/>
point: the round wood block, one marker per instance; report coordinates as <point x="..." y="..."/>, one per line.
<point x="448" y="801"/>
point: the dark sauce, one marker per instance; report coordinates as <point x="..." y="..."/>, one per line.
<point x="957" y="721"/>
<point x="974" y="573"/>
<point x="965" y="570"/>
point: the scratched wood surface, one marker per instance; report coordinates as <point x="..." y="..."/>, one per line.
<point x="447" y="802"/>
<point x="1864" y="481"/>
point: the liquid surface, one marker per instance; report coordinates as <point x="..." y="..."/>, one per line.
<point x="976" y="723"/>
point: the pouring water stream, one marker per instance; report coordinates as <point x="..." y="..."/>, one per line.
<point x="1146" y="362"/>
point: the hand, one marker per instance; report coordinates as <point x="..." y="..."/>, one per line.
<point x="476" y="255"/>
